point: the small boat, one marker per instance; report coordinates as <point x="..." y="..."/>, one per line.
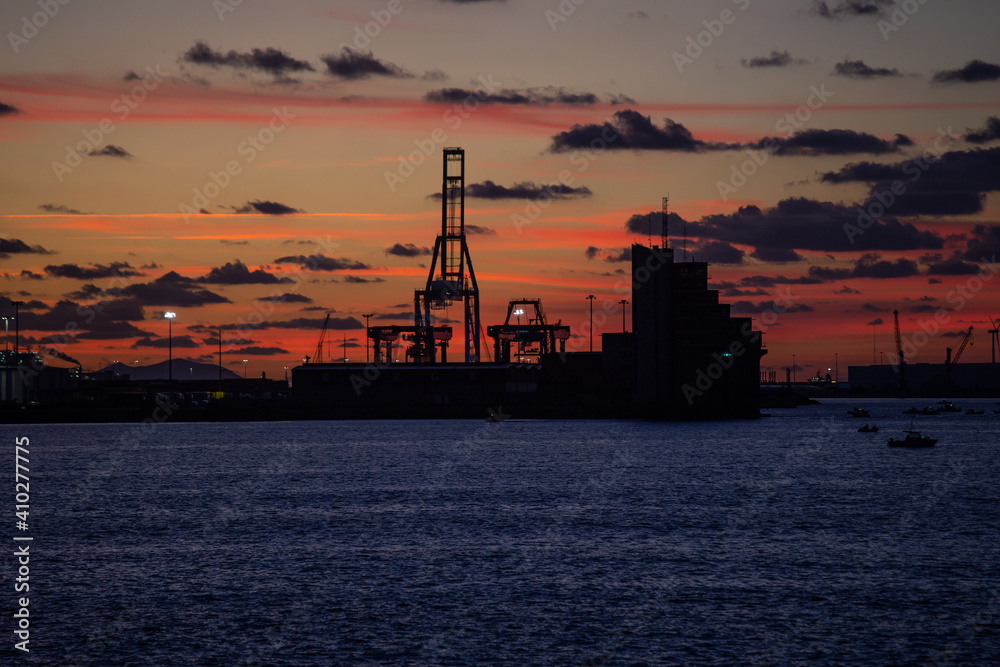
<point x="970" y="411"/>
<point x="921" y="411"/>
<point x="947" y="406"/>
<point x="913" y="439"/>
<point x="495" y="416"/>
<point x="859" y="412"/>
<point x="868" y="429"/>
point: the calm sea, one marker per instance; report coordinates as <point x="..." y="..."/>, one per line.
<point x="788" y="540"/>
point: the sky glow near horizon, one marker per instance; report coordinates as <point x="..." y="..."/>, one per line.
<point x="193" y="156"/>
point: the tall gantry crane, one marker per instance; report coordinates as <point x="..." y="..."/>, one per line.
<point x="318" y="354"/>
<point x="452" y="278"/>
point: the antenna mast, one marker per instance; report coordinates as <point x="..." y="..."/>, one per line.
<point x="666" y="216"/>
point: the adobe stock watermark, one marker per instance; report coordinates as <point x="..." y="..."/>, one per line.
<point x="30" y="26"/>
<point x="788" y="125"/>
<point x="714" y="28"/>
<point x="381" y="18"/>
<point x="122" y="106"/>
<point x="723" y="360"/>
<point x="901" y="13"/>
<point x="248" y="149"/>
<point x="880" y="202"/>
<point x="566" y="9"/>
<point x="581" y="159"/>
<point x="453" y="117"/>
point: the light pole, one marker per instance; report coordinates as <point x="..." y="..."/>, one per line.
<point x="170" y="344"/>
<point x="367" y="316"/>
<point x="6" y="334"/>
<point x="591" y="297"/>
<point x="286" y="374"/>
<point x="836" y="366"/>
<point x="623" y="302"/>
<point x="17" y="325"/>
<point x="793" y="369"/>
<point x="244" y="369"/>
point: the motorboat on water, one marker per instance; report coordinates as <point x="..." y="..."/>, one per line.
<point x="913" y="439"/>
<point x="868" y="429"/>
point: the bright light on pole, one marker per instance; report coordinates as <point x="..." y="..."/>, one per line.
<point x="244" y="369"/>
<point x="170" y="343"/>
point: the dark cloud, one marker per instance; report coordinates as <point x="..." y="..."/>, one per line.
<point x="324" y="263"/>
<point x="69" y="315"/>
<point x="876" y="322"/>
<point x="480" y="230"/>
<point x="872" y="308"/>
<point x="984" y="244"/>
<point x="59" y="208"/>
<point x="612" y="255"/>
<point x="170" y="290"/>
<point x="776" y="59"/>
<point x="357" y="280"/>
<point x="774" y="281"/>
<point x="164" y="343"/>
<point x="831" y="142"/>
<point x="266" y="208"/>
<point x="806" y="224"/>
<point x="953" y="184"/>
<point x="524" y="190"/>
<point x="93" y="272"/>
<point x="857" y="69"/>
<point x="751" y="308"/>
<point x="869" y="265"/>
<point x="991" y="132"/>
<point x="18" y="247"/>
<point x="776" y="255"/>
<point x="718" y="252"/>
<point x="287" y="297"/>
<point x="407" y="250"/>
<point x="847" y="290"/>
<point x="849" y="8"/>
<point x="260" y="351"/>
<point x="650" y="224"/>
<point x="111" y="150"/>
<point x="30" y="275"/>
<point x="237" y="273"/>
<point x="974" y="71"/>
<point x="952" y="267"/>
<point x="33" y="304"/>
<point x="8" y="109"/>
<point x="103" y="329"/>
<point x="633" y="131"/>
<point x="271" y="60"/>
<point x="526" y="97"/>
<point x="352" y="64"/>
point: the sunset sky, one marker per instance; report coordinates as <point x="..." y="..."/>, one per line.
<point x="192" y="156"/>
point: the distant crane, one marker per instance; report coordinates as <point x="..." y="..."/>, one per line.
<point x="318" y="354"/>
<point x="900" y="359"/>
<point x="994" y="339"/>
<point x="961" y="348"/>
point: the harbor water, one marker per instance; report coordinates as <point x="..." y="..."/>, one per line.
<point x="787" y="540"/>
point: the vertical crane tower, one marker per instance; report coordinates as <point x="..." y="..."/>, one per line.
<point x="451" y="276"/>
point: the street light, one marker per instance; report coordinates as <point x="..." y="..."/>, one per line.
<point x="519" y="312"/>
<point x="793" y="369"/>
<point x="6" y="334"/>
<point x="170" y="344"/>
<point x="17" y="326"/>
<point x="623" y="302"/>
<point x="836" y="366"/>
<point x="244" y="369"/>
<point x="367" y="316"/>
<point x="591" y="297"/>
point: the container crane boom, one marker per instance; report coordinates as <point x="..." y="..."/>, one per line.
<point x="965" y="341"/>
<point x="318" y="354"/>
